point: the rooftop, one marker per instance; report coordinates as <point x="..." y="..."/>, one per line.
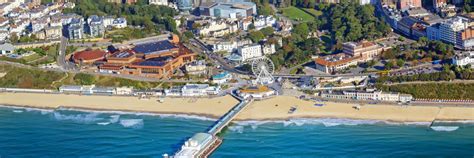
<point x="96" y="54"/>
<point x="160" y="61"/>
<point x="154" y="47"/>
<point x="123" y="54"/>
<point x="334" y="60"/>
<point x="255" y="89"/>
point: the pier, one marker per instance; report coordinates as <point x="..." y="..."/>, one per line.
<point x="201" y="145"/>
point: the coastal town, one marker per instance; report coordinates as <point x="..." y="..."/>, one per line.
<point x="393" y="60"/>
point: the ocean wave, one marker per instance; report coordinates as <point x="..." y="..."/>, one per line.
<point x="78" y="118"/>
<point x="132" y="123"/>
<point x="28" y="109"/>
<point x="327" y="122"/>
<point x="444" y="128"/>
<point x="184" y="116"/>
<point x="114" y="118"/>
<point x="238" y="129"/>
<point x="17" y="111"/>
<point x="103" y="123"/>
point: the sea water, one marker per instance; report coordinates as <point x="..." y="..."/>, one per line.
<point x="69" y="133"/>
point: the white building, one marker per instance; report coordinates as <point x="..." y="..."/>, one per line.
<point x="217" y="29"/>
<point x="250" y="51"/>
<point x="462" y="59"/>
<point x="268" y="49"/>
<point x="3" y="35"/>
<point x="376" y="96"/>
<point x="6" y="49"/>
<point x="39" y="24"/>
<point x="261" y="22"/>
<point x="196" y="67"/>
<point x="158" y="2"/>
<point x="124" y="90"/>
<point x="119" y="23"/>
<point x="230" y="46"/>
<point x="448" y="29"/>
<point x="194" y="145"/>
<point x="256" y="92"/>
<point x="191" y="90"/>
<point x="108" y="21"/>
<point x="364" y="2"/>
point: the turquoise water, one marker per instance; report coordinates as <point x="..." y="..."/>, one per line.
<point x="66" y="133"/>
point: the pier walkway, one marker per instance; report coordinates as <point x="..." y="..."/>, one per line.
<point x="203" y="144"/>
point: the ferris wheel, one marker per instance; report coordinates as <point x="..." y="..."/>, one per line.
<point x="263" y="69"/>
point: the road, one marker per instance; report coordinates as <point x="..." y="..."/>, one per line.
<point x="219" y="60"/>
<point x="61" y="59"/>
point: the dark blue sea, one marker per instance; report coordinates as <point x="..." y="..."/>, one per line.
<point x="28" y="133"/>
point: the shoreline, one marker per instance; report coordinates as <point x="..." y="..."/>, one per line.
<point x="204" y="117"/>
<point x="213" y="108"/>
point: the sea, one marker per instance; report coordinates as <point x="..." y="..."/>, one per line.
<point x="28" y="132"/>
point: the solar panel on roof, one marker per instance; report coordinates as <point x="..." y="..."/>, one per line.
<point x="154" y="47"/>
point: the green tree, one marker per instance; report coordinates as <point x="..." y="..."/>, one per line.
<point x="256" y="36"/>
<point x="267" y="31"/>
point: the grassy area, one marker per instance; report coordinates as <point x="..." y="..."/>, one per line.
<point x="297" y="14"/>
<point x="17" y="77"/>
<point x="434" y="90"/>
<point x="120" y="35"/>
<point x="42" y="55"/>
<point x="313" y="12"/>
<point x="28" y="78"/>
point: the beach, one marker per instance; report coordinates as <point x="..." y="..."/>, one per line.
<point x="278" y="107"/>
<point x="275" y="108"/>
<point x="214" y="108"/>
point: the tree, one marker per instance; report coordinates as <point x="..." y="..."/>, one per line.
<point x="389" y="65"/>
<point x="301" y="30"/>
<point x="267" y="31"/>
<point x="256" y="36"/>
<point x="400" y="62"/>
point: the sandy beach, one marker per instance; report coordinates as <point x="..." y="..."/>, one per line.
<point x="271" y="109"/>
<point x="277" y="108"/>
<point x="214" y="107"/>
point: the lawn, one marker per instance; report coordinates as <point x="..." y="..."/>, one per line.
<point x="297" y="14"/>
<point x="120" y="35"/>
<point x="314" y="12"/>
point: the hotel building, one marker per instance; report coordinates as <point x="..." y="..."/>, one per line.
<point x="336" y="62"/>
<point x="366" y="50"/>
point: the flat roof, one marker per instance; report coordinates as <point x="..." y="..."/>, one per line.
<point x="123" y="54"/>
<point x="161" y="61"/>
<point x="154" y="47"/>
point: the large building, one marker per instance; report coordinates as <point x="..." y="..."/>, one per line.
<point x="336" y="62"/>
<point x="155" y="59"/>
<point x="365" y="49"/>
<point x="96" y="26"/>
<point x="448" y="30"/>
<point x="376" y="96"/>
<point x="195" y="146"/>
<point x="465" y="39"/>
<point x="250" y="51"/>
<point x="228" y="10"/>
<point x="88" y="56"/>
<point x="76" y="29"/>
